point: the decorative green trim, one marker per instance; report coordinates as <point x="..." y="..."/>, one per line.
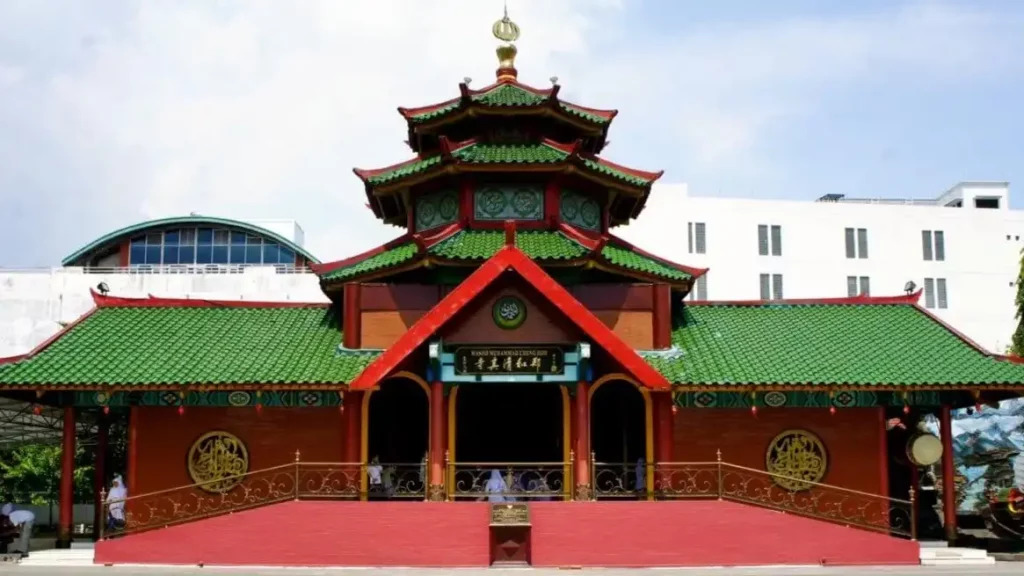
<point x="187" y="221"/>
<point x="211" y="399"/>
<point x="436" y="209"/>
<point x="778" y="399"/>
<point x="509" y="312"/>
<point x="508" y="202"/>
<point x="580" y="211"/>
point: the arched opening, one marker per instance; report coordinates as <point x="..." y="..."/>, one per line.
<point x="618" y="440"/>
<point x="515" y="429"/>
<point x="398" y="437"/>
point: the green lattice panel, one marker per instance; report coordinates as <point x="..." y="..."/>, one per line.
<point x="580" y="210"/>
<point x="436" y="209"/>
<point x="508" y="202"/>
<point x="798" y="399"/>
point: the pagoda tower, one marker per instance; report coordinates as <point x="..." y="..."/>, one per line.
<point x="507" y="154"/>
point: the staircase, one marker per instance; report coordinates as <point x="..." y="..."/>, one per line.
<point x="940" y="554"/>
<point x="80" y="554"/>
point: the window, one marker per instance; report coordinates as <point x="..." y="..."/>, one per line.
<point x="935" y="295"/>
<point x="771" y="286"/>
<point x="856" y="243"/>
<point x="858" y="286"/>
<point x="769" y="240"/>
<point x="206" y="246"/>
<point x="700" y="236"/>
<point x="933" y="245"/>
<point x="700" y="288"/>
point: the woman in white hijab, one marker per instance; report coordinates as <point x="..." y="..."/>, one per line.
<point x="115" y="503"/>
<point x="496" y="488"/>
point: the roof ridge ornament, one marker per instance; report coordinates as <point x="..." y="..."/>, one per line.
<point x="508" y="32"/>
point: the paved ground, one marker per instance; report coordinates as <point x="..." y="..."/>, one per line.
<point x="998" y="569"/>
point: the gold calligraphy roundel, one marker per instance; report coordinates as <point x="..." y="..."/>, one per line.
<point x="217" y="461"/>
<point x="796" y="457"/>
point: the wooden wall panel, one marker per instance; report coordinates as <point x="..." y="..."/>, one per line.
<point x="634" y="327"/>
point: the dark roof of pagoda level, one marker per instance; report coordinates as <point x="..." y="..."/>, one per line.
<point x="458" y="246"/>
<point x="508" y="96"/>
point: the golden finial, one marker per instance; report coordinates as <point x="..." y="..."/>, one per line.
<point x="508" y="32"/>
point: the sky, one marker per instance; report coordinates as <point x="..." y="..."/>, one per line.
<point x="118" y="111"/>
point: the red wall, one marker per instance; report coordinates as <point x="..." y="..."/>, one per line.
<point x="853" y="438"/>
<point x="271" y="437"/>
<point x="419" y="534"/>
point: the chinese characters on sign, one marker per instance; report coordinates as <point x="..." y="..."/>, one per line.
<point x="471" y="361"/>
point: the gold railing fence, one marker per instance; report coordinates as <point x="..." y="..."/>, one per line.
<point x="510" y="481"/>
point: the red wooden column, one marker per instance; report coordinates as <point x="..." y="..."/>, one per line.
<point x="133" y="451"/>
<point x="353" y="431"/>
<point x="438" y="426"/>
<point x="662" y="439"/>
<point x="67" y="480"/>
<point x="948" y="473"/>
<point x="582" y="441"/>
<point x="100" y="473"/>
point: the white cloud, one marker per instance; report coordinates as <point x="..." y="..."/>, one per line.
<point x="260" y="108"/>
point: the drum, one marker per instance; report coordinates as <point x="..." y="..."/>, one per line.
<point x="924" y="449"/>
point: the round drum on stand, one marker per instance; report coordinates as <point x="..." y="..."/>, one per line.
<point x="924" y="449"/>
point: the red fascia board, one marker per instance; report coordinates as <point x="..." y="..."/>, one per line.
<point x="908" y="299"/>
<point x="588" y="242"/>
<point x="963" y="337"/>
<point x="366" y="173"/>
<point x="506" y="258"/>
<point x="695" y="272"/>
<point x="326" y="267"/>
<point x="151" y="301"/>
<point x="46" y="343"/>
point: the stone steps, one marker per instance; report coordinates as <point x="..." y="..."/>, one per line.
<point x="76" y="556"/>
<point x="932" y="555"/>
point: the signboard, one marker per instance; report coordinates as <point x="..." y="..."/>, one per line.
<point x="510" y="514"/>
<point x="484" y="360"/>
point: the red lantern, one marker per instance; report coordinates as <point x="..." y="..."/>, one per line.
<point x="978" y="407"/>
<point x="753" y="410"/>
<point x="675" y="409"/>
<point x="906" y="409"/>
<point x="259" y="408"/>
<point x="37" y="410"/>
<point x="181" y="410"/>
<point x="832" y="410"/>
<point x="106" y="409"/>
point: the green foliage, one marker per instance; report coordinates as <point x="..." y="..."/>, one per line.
<point x="1017" y="347"/>
<point x="31" y="474"/>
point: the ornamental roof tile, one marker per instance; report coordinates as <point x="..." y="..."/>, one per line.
<point x="632" y="260"/>
<point x="482" y="244"/>
<point x="824" y="344"/>
<point x="386" y="259"/>
<point x="506" y="94"/>
<point x="476" y="153"/>
<point x="141" y="345"/>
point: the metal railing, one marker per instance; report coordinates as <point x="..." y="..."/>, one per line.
<point x="148" y="269"/>
<point x="510" y="481"/>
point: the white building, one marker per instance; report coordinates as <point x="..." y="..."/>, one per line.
<point x="962" y="248"/>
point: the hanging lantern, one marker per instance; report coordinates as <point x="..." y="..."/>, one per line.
<point x="753" y="410"/>
<point x="259" y="408"/>
<point x="37" y="410"/>
<point x="832" y="410"/>
<point x="106" y="409"/>
<point x="181" y="410"/>
<point x="906" y="409"/>
<point x="675" y="410"/>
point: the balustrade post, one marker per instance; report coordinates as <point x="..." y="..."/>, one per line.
<point x="297" y="455"/>
<point x="913" y="515"/>
<point x="570" y="490"/>
<point x="449" y="477"/>
<point x="718" y="455"/>
<point x="593" y="475"/>
<point x="104" y="511"/>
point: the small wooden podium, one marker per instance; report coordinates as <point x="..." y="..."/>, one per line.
<point x="510" y="534"/>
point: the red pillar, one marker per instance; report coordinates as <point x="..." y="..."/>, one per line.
<point x="100" y="472"/>
<point x="948" y="473"/>
<point x="353" y="430"/>
<point x="582" y="441"/>
<point x="663" y="429"/>
<point x="435" y="490"/>
<point x="67" y="480"/>
<point x="133" y="451"/>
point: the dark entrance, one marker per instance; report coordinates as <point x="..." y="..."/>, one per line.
<point x="618" y="439"/>
<point x="398" y="439"/>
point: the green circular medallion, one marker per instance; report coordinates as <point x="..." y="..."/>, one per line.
<point x="509" y="312"/>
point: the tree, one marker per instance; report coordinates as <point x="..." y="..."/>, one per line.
<point x="31" y="474"/>
<point x="1017" y="347"/>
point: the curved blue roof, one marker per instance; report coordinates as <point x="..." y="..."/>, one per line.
<point x="142" y="227"/>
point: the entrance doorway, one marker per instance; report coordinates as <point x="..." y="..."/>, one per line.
<point x="618" y="440"/>
<point x="398" y="437"/>
<point x="512" y="431"/>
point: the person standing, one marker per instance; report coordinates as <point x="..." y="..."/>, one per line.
<point x="23" y="520"/>
<point x="115" y="503"/>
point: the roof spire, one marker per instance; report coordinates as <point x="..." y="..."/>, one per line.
<point x="508" y="32"/>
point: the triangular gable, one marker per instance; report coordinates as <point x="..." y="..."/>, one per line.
<point x="509" y="258"/>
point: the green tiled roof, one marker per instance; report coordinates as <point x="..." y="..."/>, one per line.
<point x="507" y="95"/>
<point x="479" y="154"/>
<point x="825" y="345"/>
<point x="386" y="259"/>
<point x="482" y="244"/>
<point x="194" y="345"/>
<point x="630" y="260"/>
<point x="609" y="171"/>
